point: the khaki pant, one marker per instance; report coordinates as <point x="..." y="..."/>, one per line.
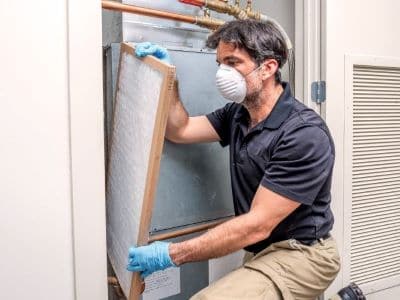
<point x="285" y="270"/>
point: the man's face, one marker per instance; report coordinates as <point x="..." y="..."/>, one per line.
<point x="239" y="59"/>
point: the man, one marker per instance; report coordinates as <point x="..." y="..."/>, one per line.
<point x="281" y="156"/>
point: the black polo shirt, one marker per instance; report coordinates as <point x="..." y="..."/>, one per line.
<point x="291" y="152"/>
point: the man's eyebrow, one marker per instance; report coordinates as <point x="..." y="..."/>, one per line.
<point x="232" y="57"/>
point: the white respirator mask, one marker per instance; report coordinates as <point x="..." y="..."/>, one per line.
<point x="231" y="84"/>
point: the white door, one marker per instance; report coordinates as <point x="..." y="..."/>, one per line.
<point x="361" y="53"/>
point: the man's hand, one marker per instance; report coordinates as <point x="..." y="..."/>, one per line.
<point x="147" y="48"/>
<point x="149" y="259"/>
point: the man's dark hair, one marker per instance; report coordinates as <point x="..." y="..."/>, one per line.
<point x="261" y="40"/>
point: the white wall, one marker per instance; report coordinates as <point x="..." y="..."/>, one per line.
<point x="358" y="27"/>
<point x="42" y="135"/>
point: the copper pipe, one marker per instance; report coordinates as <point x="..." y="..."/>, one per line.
<point x="210" y="23"/>
<point x="239" y="13"/>
<point x="186" y="231"/>
<point x="225" y="7"/>
<point x="112" y="5"/>
<point x="113" y="281"/>
<point x="216" y="5"/>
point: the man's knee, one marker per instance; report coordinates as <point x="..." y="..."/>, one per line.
<point x="242" y="284"/>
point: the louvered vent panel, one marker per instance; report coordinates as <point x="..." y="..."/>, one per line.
<point x="375" y="222"/>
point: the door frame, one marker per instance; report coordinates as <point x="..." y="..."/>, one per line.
<point x="308" y="50"/>
<point x="310" y="57"/>
<point x="86" y="129"/>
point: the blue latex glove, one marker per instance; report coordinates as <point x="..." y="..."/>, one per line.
<point x="147" y="48"/>
<point x="149" y="259"/>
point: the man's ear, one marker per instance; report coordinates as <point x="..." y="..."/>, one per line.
<point x="269" y="68"/>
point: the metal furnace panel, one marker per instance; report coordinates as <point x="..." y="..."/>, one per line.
<point x="194" y="184"/>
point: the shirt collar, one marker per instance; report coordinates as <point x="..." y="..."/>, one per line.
<point x="281" y="110"/>
<point x="279" y="113"/>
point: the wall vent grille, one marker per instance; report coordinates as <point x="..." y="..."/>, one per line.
<point x="375" y="215"/>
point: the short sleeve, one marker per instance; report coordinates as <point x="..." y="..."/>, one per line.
<point x="300" y="164"/>
<point x="221" y="121"/>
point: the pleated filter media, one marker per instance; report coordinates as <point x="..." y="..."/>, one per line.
<point x="140" y="112"/>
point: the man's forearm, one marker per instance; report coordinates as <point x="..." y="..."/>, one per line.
<point x="177" y="118"/>
<point x="219" y="241"/>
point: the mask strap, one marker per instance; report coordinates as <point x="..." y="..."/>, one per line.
<point x="253" y="70"/>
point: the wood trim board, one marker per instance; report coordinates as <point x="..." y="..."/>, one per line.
<point x="129" y="142"/>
